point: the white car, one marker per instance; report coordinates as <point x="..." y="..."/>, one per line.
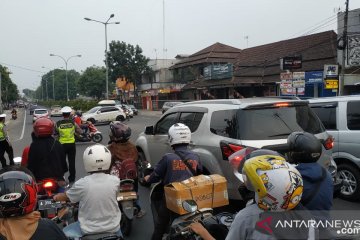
<point x="40" y="113"/>
<point x="104" y="114"/>
<point x="55" y="111"/>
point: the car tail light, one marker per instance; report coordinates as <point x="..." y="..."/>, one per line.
<point x="236" y="159"/>
<point x="229" y="148"/>
<point x="329" y="143"/>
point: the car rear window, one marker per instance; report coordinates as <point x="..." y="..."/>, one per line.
<point x="353" y="115"/>
<point x="327" y="114"/>
<point x="40" y="111"/>
<point x="263" y="124"/>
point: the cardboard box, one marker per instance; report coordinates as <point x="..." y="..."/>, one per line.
<point x="209" y="191"/>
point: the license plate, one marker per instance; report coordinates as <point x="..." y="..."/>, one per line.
<point x="48" y="204"/>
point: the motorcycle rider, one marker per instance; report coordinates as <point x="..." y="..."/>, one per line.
<point x="18" y="220"/>
<point x="5" y="145"/>
<point x="305" y="150"/>
<point x="122" y="148"/>
<point x="46" y="155"/>
<point x="13" y="113"/>
<point x="66" y="129"/>
<point x="278" y="187"/>
<point x="79" y="122"/>
<point x="96" y="194"/>
<point x="173" y="167"/>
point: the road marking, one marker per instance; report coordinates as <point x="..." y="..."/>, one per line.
<point x="23" y="130"/>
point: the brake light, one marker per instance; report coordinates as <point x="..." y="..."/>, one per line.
<point x="236" y="159"/>
<point x="229" y="148"/>
<point x="48" y="184"/>
<point x="285" y="104"/>
<point x="329" y="143"/>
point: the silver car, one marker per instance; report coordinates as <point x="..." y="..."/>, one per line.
<point x="222" y="127"/>
<point x="341" y="118"/>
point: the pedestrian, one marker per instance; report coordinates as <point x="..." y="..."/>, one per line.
<point x="66" y="128"/>
<point x="173" y="167"/>
<point x="96" y="194"/>
<point x="18" y="218"/>
<point x="122" y="149"/>
<point x="5" y="145"/>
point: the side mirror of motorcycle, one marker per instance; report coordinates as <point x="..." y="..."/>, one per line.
<point x="17" y="161"/>
<point x="189" y="205"/>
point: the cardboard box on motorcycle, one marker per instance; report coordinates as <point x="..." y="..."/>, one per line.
<point x="209" y="191"/>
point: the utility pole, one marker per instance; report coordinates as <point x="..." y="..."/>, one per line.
<point x="344" y="36"/>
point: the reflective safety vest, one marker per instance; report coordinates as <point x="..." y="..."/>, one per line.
<point x="66" y="130"/>
<point x="2" y="134"/>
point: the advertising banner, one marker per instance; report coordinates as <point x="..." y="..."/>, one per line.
<point x="314" y="77"/>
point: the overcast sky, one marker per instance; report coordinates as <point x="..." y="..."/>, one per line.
<point x="32" y="29"/>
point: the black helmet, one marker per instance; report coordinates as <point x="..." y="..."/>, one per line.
<point x="304" y="147"/>
<point x="119" y="132"/>
<point x="78" y="113"/>
<point x="18" y="193"/>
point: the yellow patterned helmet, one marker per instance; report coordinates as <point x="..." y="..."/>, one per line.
<point x="278" y="186"/>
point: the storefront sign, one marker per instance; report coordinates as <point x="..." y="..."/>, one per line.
<point x="292" y="91"/>
<point x="286" y="84"/>
<point x="285" y="76"/>
<point x="218" y="71"/>
<point x="331" y="84"/>
<point x="331" y="71"/>
<point x="288" y="63"/>
<point x="314" y="77"/>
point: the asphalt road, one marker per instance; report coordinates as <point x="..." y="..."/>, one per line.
<point x="20" y="129"/>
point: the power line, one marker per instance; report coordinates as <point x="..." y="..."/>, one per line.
<point x="20" y="67"/>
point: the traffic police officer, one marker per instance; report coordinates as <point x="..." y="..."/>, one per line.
<point x="66" y="129"/>
<point x="5" y="145"/>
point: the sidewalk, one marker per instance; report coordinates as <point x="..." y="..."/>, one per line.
<point x="143" y="112"/>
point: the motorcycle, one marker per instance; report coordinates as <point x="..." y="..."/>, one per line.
<point x="127" y="201"/>
<point x="180" y="227"/>
<point x="92" y="135"/>
<point x="13" y="116"/>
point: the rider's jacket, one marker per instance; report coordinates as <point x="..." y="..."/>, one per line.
<point x="171" y="167"/>
<point x="66" y="130"/>
<point x="2" y="133"/>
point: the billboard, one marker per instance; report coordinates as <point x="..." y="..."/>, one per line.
<point x="353" y="50"/>
<point x="218" y="71"/>
<point x="314" y="77"/>
<point x="288" y="63"/>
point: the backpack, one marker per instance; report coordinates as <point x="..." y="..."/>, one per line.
<point x="125" y="169"/>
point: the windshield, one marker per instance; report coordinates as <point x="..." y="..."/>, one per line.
<point x="41" y="111"/>
<point x="277" y="123"/>
<point x="93" y="110"/>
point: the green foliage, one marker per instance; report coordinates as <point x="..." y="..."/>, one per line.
<point x="77" y="104"/>
<point x="92" y="82"/>
<point x="126" y="60"/>
<point x="9" y="90"/>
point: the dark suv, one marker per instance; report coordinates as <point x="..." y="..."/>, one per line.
<point x="221" y="127"/>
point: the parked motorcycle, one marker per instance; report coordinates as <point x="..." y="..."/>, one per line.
<point x="93" y="134"/>
<point x="127" y="201"/>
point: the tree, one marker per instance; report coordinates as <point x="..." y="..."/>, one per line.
<point x="29" y="93"/>
<point x="126" y="60"/>
<point x="9" y="90"/>
<point x="92" y="82"/>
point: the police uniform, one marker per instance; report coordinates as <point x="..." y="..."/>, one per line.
<point x="4" y="144"/>
<point x="66" y="129"/>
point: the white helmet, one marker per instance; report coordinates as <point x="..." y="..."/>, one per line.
<point x="97" y="158"/>
<point x="179" y="133"/>
<point x="66" y="109"/>
<point x="277" y="184"/>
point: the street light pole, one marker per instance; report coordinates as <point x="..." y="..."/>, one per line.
<point x="106" y="60"/>
<point x="66" y="76"/>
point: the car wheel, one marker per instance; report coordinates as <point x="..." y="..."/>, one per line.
<point x="120" y="118"/>
<point x="92" y="120"/>
<point x="142" y="165"/>
<point x="350" y="175"/>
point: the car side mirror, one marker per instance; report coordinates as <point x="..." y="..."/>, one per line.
<point x="149" y="130"/>
<point x="98" y="112"/>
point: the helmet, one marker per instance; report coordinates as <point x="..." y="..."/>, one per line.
<point x="277" y="184"/>
<point x="43" y="127"/>
<point x="119" y="132"/>
<point x="18" y="193"/>
<point x="304" y="147"/>
<point x="179" y="133"/>
<point x="97" y="158"/>
<point x="78" y="113"/>
<point x="66" y="109"/>
<point x="238" y="158"/>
